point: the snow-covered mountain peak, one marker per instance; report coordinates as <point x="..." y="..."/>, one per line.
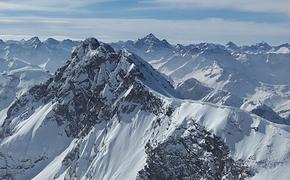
<point x="93" y="51"/>
<point x="92" y="47"/>
<point x="151" y="36"/>
<point x="179" y="46"/>
<point x="232" y="46"/>
<point x="86" y="46"/>
<point x="148" y="47"/>
<point x="51" y="41"/>
<point x="152" y="43"/>
<point x="263" y="44"/>
<point x="33" y="41"/>
<point x="92" y="43"/>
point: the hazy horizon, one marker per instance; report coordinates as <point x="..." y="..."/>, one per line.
<point x="183" y="21"/>
<point x="42" y="39"/>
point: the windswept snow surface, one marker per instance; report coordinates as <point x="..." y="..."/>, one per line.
<point x="117" y="150"/>
<point x="34" y="143"/>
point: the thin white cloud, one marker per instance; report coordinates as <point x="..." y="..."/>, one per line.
<point x="45" y="5"/>
<point x="266" y="6"/>
<point x="7" y="6"/>
<point x="176" y="31"/>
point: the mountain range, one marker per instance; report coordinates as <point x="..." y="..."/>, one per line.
<point x="143" y="110"/>
<point x="253" y="77"/>
<point x="49" y="54"/>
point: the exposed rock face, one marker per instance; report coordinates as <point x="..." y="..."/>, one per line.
<point x="192" y="153"/>
<point x="266" y="112"/>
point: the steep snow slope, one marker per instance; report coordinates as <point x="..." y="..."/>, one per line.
<point x="49" y="54"/>
<point x="107" y="115"/>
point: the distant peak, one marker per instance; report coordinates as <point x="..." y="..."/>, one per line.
<point x="150" y="42"/>
<point x="263" y="43"/>
<point x="51" y="41"/>
<point x="33" y="41"/>
<point x="231" y="45"/>
<point x="70" y="42"/>
<point x="67" y="40"/>
<point x="151" y="36"/>
<point x="179" y="46"/>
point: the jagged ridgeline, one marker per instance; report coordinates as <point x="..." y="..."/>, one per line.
<point x="91" y="87"/>
<point x="49" y="54"/>
<point x="110" y="115"/>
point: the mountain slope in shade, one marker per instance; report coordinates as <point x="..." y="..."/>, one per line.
<point x="195" y="90"/>
<point x="108" y="115"/>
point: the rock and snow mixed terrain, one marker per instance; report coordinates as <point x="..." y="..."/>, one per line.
<point x="256" y="74"/>
<point x="26" y="63"/>
<point x="16" y="77"/>
<point x="202" y="113"/>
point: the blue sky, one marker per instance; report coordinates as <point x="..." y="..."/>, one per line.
<point x="179" y="21"/>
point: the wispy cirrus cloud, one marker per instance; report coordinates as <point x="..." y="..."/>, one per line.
<point x="265" y="6"/>
<point x="45" y="5"/>
<point x="176" y="31"/>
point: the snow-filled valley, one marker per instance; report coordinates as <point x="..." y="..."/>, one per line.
<point x="143" y="110"/>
